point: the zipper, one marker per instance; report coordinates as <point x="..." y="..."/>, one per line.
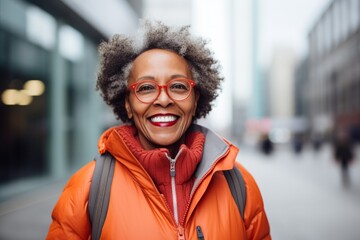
<point x="173" y="184"/>
<point x="181" y="233"/>
<point x="174" y="198"/>
<point x="199" y="233"/>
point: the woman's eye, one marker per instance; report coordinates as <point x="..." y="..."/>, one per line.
<point x="178" y="86"/>
<point x="145" y="87"/>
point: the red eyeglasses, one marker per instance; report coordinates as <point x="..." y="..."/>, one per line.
<point x="148" y="91"/>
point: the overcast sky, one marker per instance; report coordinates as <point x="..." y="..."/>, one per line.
<point x="286" y="23"/>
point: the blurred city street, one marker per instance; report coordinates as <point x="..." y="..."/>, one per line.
<point x="303" y="196"/>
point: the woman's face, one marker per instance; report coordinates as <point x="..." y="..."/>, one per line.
<point x="163" y="122"/>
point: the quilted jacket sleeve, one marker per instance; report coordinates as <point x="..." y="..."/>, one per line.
<point x="69" y="217"/>
<point x="256" y="222"/>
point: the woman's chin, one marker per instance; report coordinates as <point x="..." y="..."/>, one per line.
<point x="165" y="140"/>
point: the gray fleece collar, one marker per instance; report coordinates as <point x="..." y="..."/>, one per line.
<point x="214" y="147"/>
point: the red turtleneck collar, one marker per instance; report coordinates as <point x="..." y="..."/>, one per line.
<point x="157" y="164"/>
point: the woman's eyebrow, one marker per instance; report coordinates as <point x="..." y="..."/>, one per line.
<point x="145" y="78"/>
<point x="178" y="75"/>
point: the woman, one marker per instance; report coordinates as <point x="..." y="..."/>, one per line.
<point x="168" y="176"/>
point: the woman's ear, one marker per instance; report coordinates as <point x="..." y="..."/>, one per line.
<point x="128" y="108"/>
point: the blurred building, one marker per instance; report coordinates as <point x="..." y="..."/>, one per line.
<point x="301" y="81"/>
<point x="281" y="83"/>
<point x="51" y="116"/>
<point x="333" y="87"/>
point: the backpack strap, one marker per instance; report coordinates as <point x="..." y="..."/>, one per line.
<point x="100" y="193"/>
<point x="237" y="187"/>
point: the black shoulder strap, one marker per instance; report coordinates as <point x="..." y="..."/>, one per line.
<point x="100" y="193"/>
<point x="237" y="187"/>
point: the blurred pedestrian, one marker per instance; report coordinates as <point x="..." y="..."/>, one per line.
<point x="266" y="145"/>
<point x="316" y="142"/>
<point x="343" y="154"/>
<point x="297" y="143"/>
<point x="168" y="181"/>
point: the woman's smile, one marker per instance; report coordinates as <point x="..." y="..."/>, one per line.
<point x="163" y="120"/>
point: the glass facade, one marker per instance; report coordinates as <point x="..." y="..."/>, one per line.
<point x="336" y="68"/>
<point x="49" y="108"/>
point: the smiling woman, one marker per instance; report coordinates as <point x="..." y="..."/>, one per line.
<point x="168" y="171"/>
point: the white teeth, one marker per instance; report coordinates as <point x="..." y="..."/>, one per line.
<point x="163" y="119"/>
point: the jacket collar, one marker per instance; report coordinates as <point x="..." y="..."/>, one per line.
<point x="213" y="159"/>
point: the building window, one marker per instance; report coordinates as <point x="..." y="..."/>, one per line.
<point x="354" y="14"/>
<point x="40" y="27"/>
<point x="336" y="22"/>
<point x="71" y="43"/>
<point x="344" y="15"/>
<point x="327" y="32"/>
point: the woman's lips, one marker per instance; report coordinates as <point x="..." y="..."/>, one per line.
<point x="163" y="120"/>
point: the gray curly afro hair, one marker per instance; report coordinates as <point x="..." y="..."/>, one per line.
<point x="118" y="54"/>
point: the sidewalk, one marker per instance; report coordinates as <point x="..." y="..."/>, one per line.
<point x="28" y="215"/>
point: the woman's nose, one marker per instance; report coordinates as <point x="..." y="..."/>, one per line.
<point x="163" y="98"/>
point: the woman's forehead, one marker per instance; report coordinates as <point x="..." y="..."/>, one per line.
<point x="160" y="62"/>
<point x="164" y="53"/>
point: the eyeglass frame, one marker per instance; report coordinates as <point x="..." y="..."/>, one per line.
<point x="160" y="87"/>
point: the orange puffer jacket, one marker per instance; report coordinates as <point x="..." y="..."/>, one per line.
<point x="138" y="211"/>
